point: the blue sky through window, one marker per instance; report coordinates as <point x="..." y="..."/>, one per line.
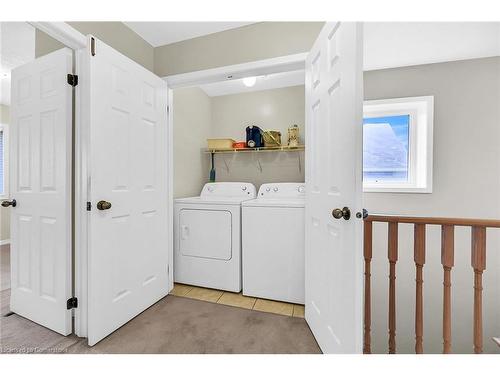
<point x="385" y="148"/>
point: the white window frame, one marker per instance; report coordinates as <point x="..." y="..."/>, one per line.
<point x="5" y="129"/>
<point x="421" y="112"/>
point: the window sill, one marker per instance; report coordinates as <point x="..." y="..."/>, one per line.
<point x="398" y="190"/>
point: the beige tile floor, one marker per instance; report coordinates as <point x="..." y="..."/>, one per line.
<point x="238" y="300"/>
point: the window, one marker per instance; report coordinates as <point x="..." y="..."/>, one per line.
<point x="385" y="148"/>
<point x="4" y="185"/>
<point x="397" y="145"/>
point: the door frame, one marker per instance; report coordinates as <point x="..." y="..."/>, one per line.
<point x="254" y="68"/>
<point x="62" y="32"/>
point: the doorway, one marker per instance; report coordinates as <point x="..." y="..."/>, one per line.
<point x="333" y="101"/>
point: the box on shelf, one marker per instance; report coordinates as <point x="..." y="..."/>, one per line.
<point x="220" y="143"/>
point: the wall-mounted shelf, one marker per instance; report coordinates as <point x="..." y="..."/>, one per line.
<point x="255" y="149"/>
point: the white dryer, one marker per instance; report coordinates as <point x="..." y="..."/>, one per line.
<point x="273" y="227"/>
<point x="207" y="236"/>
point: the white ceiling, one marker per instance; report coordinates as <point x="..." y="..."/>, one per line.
<point x="386" y="45"/>
<point x="267" y="82"/>
<point x="394" y="44"/>
<point x="17" y="42"/>
<point x="397" y="44"/>
<point x="161" y="33"/>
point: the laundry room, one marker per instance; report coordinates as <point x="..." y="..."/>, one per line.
<point x="245" y="140"/>
<point x="224" y="110"/>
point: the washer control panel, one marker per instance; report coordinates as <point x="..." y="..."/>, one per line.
<point x="228" y="189"/>
<point x="282" y="190"/>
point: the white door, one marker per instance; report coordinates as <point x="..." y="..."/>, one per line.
<point x="128" y="242"/>
<point x="334" y="100"/>
<point x="40" y="183"/>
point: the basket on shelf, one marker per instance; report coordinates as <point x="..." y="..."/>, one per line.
<point x="220" y="143"/>
<point x="272" y="138"/>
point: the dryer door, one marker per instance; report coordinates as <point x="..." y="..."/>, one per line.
<point x="205" y="233"/>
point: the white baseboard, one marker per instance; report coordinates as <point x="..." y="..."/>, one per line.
<point x="4" y="242"/>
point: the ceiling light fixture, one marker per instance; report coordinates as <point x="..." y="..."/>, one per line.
<point x="249" y="81"/>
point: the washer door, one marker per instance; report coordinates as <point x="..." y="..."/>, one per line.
<point x="205" y="233"/>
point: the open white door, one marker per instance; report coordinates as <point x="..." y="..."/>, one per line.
<point x="40" y="184"/>
<point x="334" y="101"/>
<point x="128" y="239"/>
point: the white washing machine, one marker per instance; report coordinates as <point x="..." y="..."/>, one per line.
<point x="273" y="227"/>
<point x="207" y="236"/>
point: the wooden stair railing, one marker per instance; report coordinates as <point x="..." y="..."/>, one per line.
<point x="478" y="263"/>
<point x="392" y="255"/>
<point x="447" y="260"/>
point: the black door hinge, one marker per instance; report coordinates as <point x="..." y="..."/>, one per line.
<point x="89" y="206"/>
<point x="72" y="79"/>
<point x="72" y="303"/>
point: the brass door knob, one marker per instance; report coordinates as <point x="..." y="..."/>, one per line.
<point x="103" y="205"/>
<point x="345" y="213"/>
<point x="12" y="203"/>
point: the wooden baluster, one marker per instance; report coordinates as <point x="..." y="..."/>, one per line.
<point x="478" y="261"/>
<point x="368" y="257"/>
<point x="447" y="260"/>
<point x="392" y="254"/>
<point x="419" y="258"/>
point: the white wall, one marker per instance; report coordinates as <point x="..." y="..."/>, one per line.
<point x="466" y="184"/>
<point x="198" y="117"/>
<point x="254" y="42"/>
<point x="276" y="109"/>
<point x="192" y="116"/>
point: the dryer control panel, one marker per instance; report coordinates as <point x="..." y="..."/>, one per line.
<point x="229" y="190"/>
<point x="282" y="190"/>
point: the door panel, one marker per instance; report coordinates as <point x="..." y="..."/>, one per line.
<point x="334" y="98"/>
<point x="128" y="243"/>
<point x="40" y="167"/>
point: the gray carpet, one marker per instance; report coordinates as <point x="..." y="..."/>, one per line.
<point x="172" y="325"/>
